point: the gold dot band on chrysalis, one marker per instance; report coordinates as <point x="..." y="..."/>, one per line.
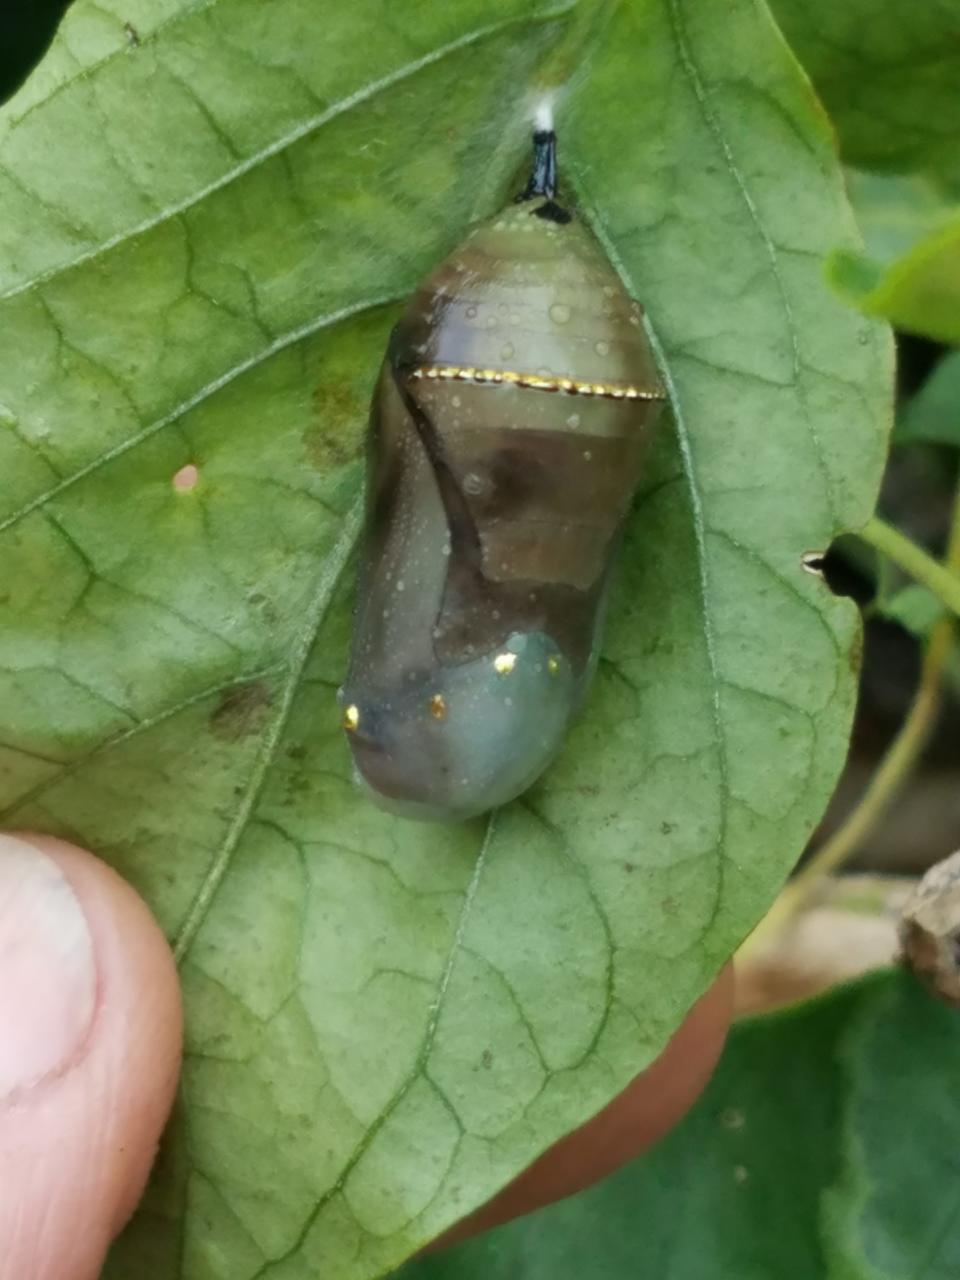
<point x="569" y="386"/>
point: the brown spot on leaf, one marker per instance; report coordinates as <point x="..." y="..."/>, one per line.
<point x="333" y="437"/>
<point x="241" y="711"/>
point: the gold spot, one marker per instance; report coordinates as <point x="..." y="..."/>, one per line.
<point x="351" y="717"/>
<point x="553" y="664"/>
<point x="505" y="662"/>
<point x="438" y="706"/>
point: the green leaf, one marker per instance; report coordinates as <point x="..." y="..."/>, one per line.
<point x="933" y="414"/>
<point x="887" y="74"/>
<point x="910" y="272"/>
<point x="916" y="609"/>
<point x="895" y="212"/>
<point x="734" y="1192"/>
<point x="204" y="232"/>
<point x="920" y="293"/>
<point x="892" y="1216"/>
<point x="824" y="1149"/>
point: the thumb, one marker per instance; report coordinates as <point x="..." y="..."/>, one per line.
<point x="89" y="1056"/>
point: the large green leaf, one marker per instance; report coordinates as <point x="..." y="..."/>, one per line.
<point x="203" y="230"/>
<point x="887" y="74"/>
<point x="824" y="1149"/>
<point x="910" y="271"/>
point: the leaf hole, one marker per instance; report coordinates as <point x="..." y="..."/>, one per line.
<point x="813" y="562"/>
<point x="843" y="576"/>
<point x="186" y="478"/>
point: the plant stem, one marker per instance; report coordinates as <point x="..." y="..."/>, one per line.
<point x="942" y="579"/>
<point x="907" y="746"/>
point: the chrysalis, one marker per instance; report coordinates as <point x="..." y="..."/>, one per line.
<point x="506" y="438"/>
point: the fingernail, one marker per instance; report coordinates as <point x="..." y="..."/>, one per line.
<point x="48" y="978"/>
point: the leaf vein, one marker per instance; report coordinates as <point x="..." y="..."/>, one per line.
<point x="420" y="1063"/>
<point x="286" y="140"/>
<point x="674" y="9"/>
<point x="301" y="650"/>
<point x="285" y="340"/>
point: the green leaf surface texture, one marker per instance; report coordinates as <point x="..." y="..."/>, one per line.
<point x="207" y="227"/>
<point x="823" y="1149"/>
<point x="887" y="75"/>
<point x="895" y="1214"/>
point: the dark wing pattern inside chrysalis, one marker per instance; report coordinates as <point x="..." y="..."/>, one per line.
<point x="507" y="436"/>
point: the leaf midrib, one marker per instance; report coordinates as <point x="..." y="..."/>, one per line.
<point x="687" y="62"/>
<point x="65" y="768"/>
<point x="684" y="438"/>
<point x="344" y="105"/>
<point x="287" y="140"/>
<point x="300" y="650"/>
<point x="418" y="1069"/>
<point x="222" y="380"/>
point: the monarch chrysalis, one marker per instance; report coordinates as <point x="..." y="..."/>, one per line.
<point x="505" y="444"/>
